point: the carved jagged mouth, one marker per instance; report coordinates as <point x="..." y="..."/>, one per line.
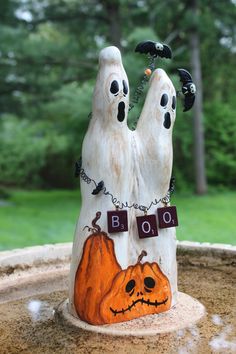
<point x="147" y="302"/>
<point x="121" y="112"/>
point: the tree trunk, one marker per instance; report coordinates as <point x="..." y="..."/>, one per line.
<point x="112" y="9"/>
<point x="198" y="131"/>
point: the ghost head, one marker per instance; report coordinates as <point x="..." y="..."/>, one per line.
<point x="111" y="94"/>
<point x="160" y="105"/>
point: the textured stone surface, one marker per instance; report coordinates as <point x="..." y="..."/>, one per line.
<point x="27" y="325"/>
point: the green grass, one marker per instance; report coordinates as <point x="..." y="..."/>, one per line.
<point x="210" y="218"/>
<point x="39" y="217"/>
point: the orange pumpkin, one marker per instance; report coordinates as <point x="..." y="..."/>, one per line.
<point x="97" y="269"/>
<point x="139" y="290"/>
<point x="104" y="293"/>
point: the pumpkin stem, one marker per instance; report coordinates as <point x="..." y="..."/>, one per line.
<point x="89" y="229"/>
<point x="95" y="228"/>
<point x="140" y="257"/>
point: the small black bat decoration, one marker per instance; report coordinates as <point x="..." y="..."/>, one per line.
<point x="188" y="89"/>
<point x="78" y="166"/>
<point x="98" y="188"/>
<point x="172" y="185"/>
<point x="154" y="49"/>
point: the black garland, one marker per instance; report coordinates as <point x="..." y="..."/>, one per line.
<point x="80" y="172"/>
<point x="139" y="90"/>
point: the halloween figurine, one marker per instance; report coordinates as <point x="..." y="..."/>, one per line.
<point x="131" y="270"/>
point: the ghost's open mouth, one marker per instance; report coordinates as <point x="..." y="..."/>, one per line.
<point x="167" y="120"/>
<point x="121" y="112"/>
<point x="147" y="302"/>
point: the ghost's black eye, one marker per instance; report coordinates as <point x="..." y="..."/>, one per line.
<point x="173" y="102"/>
<point x="130" y="285"/>
<point x="125" y="87"/>
<point x="164" y="100"/>
<point x="149" y="282"/>
<point x="114" y="87"/>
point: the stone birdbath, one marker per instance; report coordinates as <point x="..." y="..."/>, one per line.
<point x="119" y="280"/>
<point x="124" y="252"/>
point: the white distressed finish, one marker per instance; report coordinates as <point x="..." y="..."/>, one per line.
<point x="134" y="165"/>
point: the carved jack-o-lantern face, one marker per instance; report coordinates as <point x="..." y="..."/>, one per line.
<point x="139" y="290"/>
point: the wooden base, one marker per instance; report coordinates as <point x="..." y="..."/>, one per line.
<point x="186" y="313"/>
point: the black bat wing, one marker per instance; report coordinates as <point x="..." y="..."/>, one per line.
<point x="185" y="76"/>
<point x="188" y="102"/>
<point x="98" y="188"/>
<point x="146" y="47"/>
<point x="78" y="166"/>
<point x="166" y="53"/>
<point x="172" y="185"/>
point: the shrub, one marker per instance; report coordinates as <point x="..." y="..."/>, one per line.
<point x="220" y="138"/>
<point x="33" y="155"/>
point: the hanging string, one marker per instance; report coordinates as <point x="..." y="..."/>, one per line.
<point x="79" y="171"/>
<point x="139" y="90"/>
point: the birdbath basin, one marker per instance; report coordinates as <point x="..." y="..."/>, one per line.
<point x="34" y="281"/>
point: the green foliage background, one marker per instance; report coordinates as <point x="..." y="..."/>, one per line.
<point x="48" y="65"/>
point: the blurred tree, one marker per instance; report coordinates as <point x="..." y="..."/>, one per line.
<point x="48" y="64"/>
<point x="198" y="130"/>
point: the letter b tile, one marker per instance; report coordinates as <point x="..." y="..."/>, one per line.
<point x="117" y="221"/>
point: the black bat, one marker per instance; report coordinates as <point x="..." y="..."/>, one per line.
<point x="78" y="166"/>
<point x="172" y="185"/>
<point x="98" y="188"/>
<point x="154" y="49"/>
<point x="188" y="89"/>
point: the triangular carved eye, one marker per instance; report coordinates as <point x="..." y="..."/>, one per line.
<point x="114" y="87"/>
<point x="164" y="100"/>
<point x="125" y="87"/>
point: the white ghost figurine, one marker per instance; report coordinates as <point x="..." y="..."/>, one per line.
<point x="135" y="167"/>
